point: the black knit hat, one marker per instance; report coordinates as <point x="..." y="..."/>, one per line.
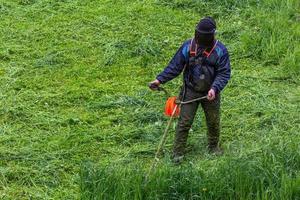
<point x="207" y="25"/>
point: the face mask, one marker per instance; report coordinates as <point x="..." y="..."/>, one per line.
<point x="204" y="40"/>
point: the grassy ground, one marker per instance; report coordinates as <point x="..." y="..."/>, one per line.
<point x="77" y="120"/>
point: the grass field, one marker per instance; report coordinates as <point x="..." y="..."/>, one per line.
<point x="78" y="121"/>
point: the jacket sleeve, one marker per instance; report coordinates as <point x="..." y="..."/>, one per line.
<point x="223" y="72"/>
<point x="176" y="65"/>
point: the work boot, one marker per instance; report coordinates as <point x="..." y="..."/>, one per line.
<point x="215" y="150"/>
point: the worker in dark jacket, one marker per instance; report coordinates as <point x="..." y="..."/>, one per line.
<point x="205" y="64"/>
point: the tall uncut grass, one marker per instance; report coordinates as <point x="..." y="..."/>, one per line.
<point x="269" y="174"/>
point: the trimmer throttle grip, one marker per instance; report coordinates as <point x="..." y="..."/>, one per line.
<point x="154" y="86"/>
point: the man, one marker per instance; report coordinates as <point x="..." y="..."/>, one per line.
<point x="206" y="71"/>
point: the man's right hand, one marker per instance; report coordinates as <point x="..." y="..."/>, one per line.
<point x="154" y="84"/>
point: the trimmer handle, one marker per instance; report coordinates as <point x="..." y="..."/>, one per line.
<point x="154" y="87"/>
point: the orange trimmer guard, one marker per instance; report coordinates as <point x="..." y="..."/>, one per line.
<point x="170" y="106"/>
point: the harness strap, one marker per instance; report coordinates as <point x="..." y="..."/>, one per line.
<point x="207" y="54"/>
<point x="194" y="47"/>
<point x="193" y="51"/>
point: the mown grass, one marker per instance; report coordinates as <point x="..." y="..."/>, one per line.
<point x="77" y="119"/>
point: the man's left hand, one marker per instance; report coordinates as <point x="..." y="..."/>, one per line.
<point x="211" y="95"/>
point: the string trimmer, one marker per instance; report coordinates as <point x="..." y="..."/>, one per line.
<point x="172" y="110"/>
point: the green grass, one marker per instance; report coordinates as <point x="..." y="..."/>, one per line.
<point x="77" y="120"/>
<point x="269" y="174"/>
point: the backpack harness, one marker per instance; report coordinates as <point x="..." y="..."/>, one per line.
<point x="194" y="47"/>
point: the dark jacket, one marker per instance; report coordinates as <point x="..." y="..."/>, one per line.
<point x="218" y="64"/>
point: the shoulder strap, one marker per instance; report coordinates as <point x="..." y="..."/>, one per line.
<point x="207" y="54"/>
<point x="193" y="48"/>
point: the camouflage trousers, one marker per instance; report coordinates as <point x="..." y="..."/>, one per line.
<point x="188" y="111"/>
